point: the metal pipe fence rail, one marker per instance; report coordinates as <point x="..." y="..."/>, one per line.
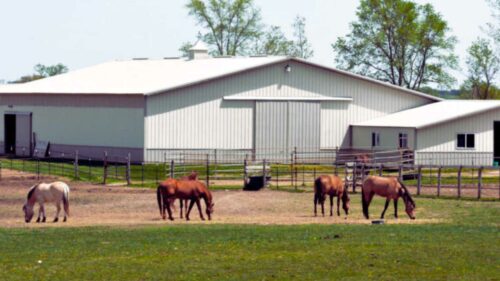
<point x="436" y="180"/>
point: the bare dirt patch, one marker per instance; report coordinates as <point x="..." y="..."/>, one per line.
<point x="92" y="205"/>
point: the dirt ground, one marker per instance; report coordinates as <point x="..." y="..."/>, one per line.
<point x="92" y="205"/>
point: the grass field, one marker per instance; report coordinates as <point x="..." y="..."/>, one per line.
<point x="461" y="243"/>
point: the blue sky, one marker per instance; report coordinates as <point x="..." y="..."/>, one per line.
<point x="81" y="33"/>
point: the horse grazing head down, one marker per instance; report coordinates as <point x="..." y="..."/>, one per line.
<point x="409" y="203"/>
<point x="28" y="206"/>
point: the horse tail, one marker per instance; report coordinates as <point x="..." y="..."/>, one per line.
<point x="65" y="199"/>
<point x="159" y="197"/>
<point x="364" y="202"/>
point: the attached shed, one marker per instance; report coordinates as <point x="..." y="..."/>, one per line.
<point x="455" y="132"/>
<point x="262" y="106"/>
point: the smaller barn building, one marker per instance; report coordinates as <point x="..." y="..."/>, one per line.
<point x="455" y="132"/>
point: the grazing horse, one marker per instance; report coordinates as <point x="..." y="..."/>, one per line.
<point x="184" y="190"/>
<point x="390" y="188"/>
<point x="333" y="186"/>
<point x="184" y="203"/>
<point x="47" y="192"/>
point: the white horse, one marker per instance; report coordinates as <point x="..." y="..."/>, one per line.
<point x="47" y="192"/>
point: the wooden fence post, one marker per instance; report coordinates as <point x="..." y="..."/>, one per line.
<point x="459" y="182"/>
<point x="419" y="179"/>
<point x="245" y="173"/>
<point x="208" y="170"/>
<point x="76" y="174"/>
<point x="380" y="169"/>
<point x="400" y="172"/>
<point x="142" y="174"/>
<point x="439" y="181"/>
<point x="277" y="177"/>
<point x="127" y="172"/>
<point x="105" y="167"/>
<point x="0" y="170"/>
<point x="264" y="175"/>
<point x="354" y="177"/>
<point x="336" y="171"/>
<point x="172" y="167"/>
<point x="479" y="181"/>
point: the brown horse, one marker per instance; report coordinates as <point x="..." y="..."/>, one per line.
<point x="183" y="190"/>
<point x="184" y="203"/>
<point x="333" y="186"/>
<point x="390" y="188"/>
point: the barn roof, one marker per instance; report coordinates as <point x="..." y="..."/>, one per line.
<point x="432" y="114"/>
<point x="152" y="76"/>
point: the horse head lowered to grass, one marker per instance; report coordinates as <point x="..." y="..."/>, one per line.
<point x="390" y="188"/>
<point x="193" y="190"/>
<point x="46" y="192"/>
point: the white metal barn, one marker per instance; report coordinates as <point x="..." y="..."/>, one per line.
<point x="153" y="108"/>
<point x="454" y="132"/>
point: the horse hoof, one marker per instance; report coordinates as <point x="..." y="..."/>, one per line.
<point x="64" y="220"/>
<point x="44" y="219"/>
<point x="56" y="220"/>
<point x="172" y="219"/>
<point x="38" y="220"/>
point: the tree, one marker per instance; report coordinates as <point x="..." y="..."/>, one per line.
<point x="399" y="42"/>
<point x="51" y="70"/>
<point x="273" y="42"/>
<point x="483" y="66"/>
<point x="42" y="71"/>
<point x="301" y="46"/>
<point x="231" y="25"/>
<point x="494" y="27"/>
<point x="184" y="49"/>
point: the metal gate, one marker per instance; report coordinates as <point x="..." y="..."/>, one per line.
<point x="282" y="126"/>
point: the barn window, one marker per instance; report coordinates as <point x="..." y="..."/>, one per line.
<point x="375" y="139"/>
<point x="466" y="141"/>
<point x="403" y="140"/>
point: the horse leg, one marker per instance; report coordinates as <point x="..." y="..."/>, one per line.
<point x="323" y="206"/>
<point x="396" y="208"/>
<point x="331" y="205"/>
<point x="385" y="207"/>
<point x="191" y="204"/>
<point x="58" y="209"/>
<point x="338" y="205"/>
<point x="186" y="203"/>
<point x="39" y="214"/>
<point x="166" y="204"/>
<point x="182" y="206"/>
<point x="44" y="219"/>
<point x="199" y="209"/>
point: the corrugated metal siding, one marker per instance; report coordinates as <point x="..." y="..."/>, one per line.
<point x="389" y="137"/>
<point x="439" y="142"/>
<point x="85" y="121"/>
<point x="173" y="118"/>
<point x="271" y="128"/>
<point x="304" y="125"/>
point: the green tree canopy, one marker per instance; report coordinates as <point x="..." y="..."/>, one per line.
<point x="43" y="71"/>
<point x="483" y="66"/>
<point x="400" y="42"/>
<point x="231" y="25"/>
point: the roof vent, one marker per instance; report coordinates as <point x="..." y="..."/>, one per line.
<point x="198" y="51"/>
<point x="171" y="58"/>
<point x="140" y="59"/>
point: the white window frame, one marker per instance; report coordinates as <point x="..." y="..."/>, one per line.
<point x="465" y="147"/>
<point x="377" y="139"/>
<point x="402" y="136"/>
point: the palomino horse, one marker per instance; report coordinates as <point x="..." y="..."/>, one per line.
<point x="184" y="190"/>
<point x="390" y="188"/>
<point x="47" y="192"/>
<point x="333" y="186"/>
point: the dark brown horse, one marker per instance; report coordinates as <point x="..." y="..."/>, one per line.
<point x="390" y="188"/>
<point x="333" y="186"/>
<point x="183" y="190"/>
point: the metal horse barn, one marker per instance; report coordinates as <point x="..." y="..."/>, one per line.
<point x="236" y="107"/>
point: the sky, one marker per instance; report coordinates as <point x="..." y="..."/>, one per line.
<point x="81" y="33"/>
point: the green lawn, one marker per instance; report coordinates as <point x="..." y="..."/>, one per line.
<point x="465" y="247"/>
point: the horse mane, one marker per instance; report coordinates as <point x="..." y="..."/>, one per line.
<point x="406" y="194"/>
<point x="32" y="190"/>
